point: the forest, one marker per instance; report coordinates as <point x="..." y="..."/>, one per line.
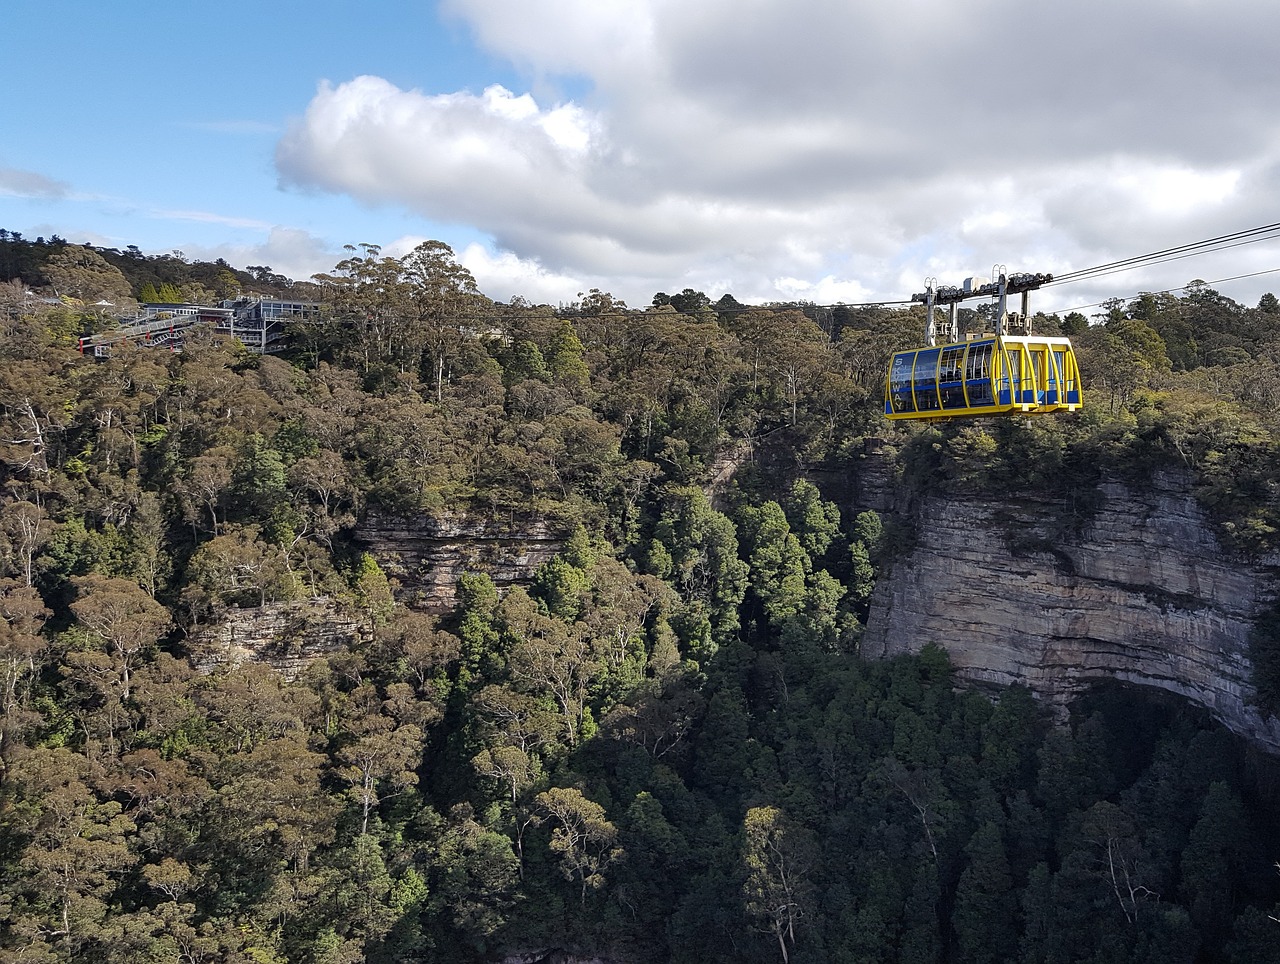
<point x="666" y="746"/>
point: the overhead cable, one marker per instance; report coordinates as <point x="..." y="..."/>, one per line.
<point x="1165" y="291"/>
<point x="1223" y="242"/>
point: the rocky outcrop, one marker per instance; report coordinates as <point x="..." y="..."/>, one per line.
<point x="1143" y="594"/>
<point x="723" y="468"/>
<point x="425" y="556"/>
<point x="284" y="635"/>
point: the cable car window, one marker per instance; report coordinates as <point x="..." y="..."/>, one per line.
<point x="1012" y="376"/>
<point x="1060" y="357"/>
<point x="926" y="379"/>
<point x="977" y="375"/>
<point x="950" y="372"/>
<point x="900" y="383"/>
<point x="978" y="364"/>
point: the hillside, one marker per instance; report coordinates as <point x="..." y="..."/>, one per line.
<point x="91" y="273"/>
<point x="466" y="631"/>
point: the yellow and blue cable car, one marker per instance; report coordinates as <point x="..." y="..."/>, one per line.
<point x="1006" y="375"/>
<point x="991" y="374"/>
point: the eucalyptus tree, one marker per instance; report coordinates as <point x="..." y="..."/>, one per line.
<point x="582" y="836"/>
<point x="126" y="620"/>
<point x="446" y="306"/>
<point x="23" y="652"/>
<point x="777" y="857"/>
<point x="367" y="295"/>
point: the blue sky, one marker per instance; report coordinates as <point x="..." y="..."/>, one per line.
<point x="774" y="149"/>
<point x="155" y="123"/>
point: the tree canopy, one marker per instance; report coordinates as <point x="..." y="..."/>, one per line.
<point x="662" y="742"/>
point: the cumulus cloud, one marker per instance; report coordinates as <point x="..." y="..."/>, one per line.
<point x="505" y="276"/>
<point x="821" y="150"/>
<point x="288" y="251"/>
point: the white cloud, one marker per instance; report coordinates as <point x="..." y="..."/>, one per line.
<point x="586" y="37"/>
<point x="827" y="149"/>
<point x="210" y="217"/>
<point x="288" y="251"/>
<point x="501" y="102"/>
<point x="451" y="156"/>
<point x="569" y="127"/>
<point x="825" y="291"/>
<point x="504" y="276"/>
<point x="1175" y="190"/>
<point x="29" y="184"/>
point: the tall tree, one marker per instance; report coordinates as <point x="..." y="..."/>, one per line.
<point x="777" y="857"/>
<point x="123" y="617"/>
<point x="22" y="652"/>
<point x="378" y="753"/>
<point x="447" y="305"/>
<point x="367" y="294"/>
<point x="78" y="271"/>
<point x="582" y="836"/>
<point x="696" y="547"/>
<point x="25" y="529"/>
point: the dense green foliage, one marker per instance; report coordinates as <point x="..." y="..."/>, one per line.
<point x="665" y="747"/>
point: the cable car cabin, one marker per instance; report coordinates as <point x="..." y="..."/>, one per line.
<point x="990" y="375"/>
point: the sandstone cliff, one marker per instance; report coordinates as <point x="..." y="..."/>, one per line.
<point x="284" y="635"/>
<point x="1143" y="594"/>
<point x="425" y="556"/>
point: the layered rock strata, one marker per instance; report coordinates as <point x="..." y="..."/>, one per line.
<point x="284" y="635"/>
<point x="1144" y="593"/>
<point x="425" y="556"/>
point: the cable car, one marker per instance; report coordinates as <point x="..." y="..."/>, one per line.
<point x="990" y="374"/>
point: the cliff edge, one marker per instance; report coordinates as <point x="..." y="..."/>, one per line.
<point x="1143" y="593"/>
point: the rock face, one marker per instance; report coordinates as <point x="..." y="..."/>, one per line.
<point x="284" y="635"/>
<point x="427" y="555"/>
<point x="1144" y="594"/>
<point x="424" y="556"/>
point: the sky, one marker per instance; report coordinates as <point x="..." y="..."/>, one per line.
<point x="832" y="151"/>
